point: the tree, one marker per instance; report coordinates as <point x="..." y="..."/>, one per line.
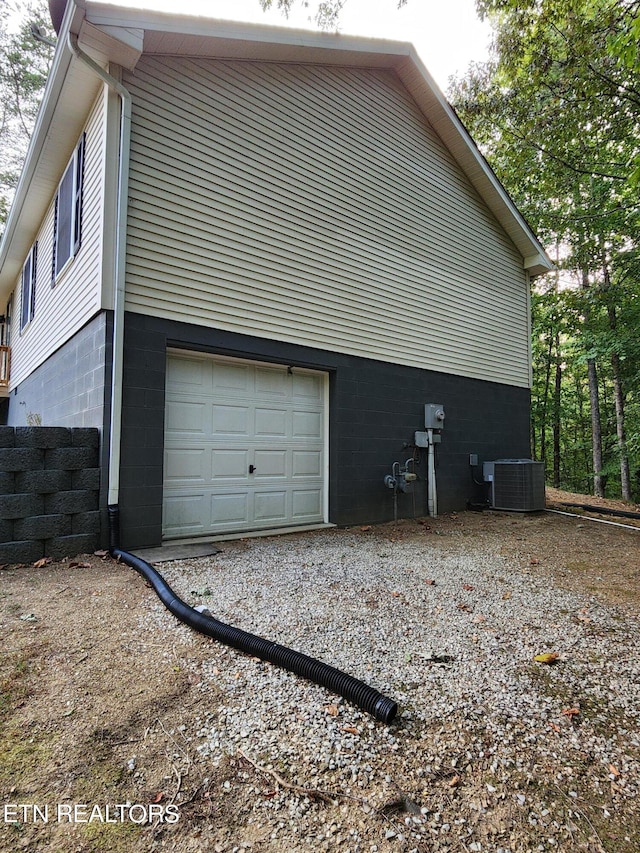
<point x="327" y="13"/>
<point x="24" y="66"/>
<point x="557" y="112"/>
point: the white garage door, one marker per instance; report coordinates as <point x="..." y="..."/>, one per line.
<point x="245" y="446"/>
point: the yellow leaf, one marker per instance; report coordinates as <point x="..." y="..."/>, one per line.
<point x="546" y="657"/>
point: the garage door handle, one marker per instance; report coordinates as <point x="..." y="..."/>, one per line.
<point x="252" y="468"/>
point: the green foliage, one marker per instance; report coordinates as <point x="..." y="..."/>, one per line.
<point x="24" y="66"/>
<point x="557" y="113"/>
<point x="327" y="12"/>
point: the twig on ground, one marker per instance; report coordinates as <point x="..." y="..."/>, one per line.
<point x="312" y="793"/>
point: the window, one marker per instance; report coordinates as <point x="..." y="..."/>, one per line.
<point x="68" y="212"/>
<point x="29" y="287"/>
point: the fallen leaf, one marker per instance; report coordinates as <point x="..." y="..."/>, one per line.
<point x="395" y="594"/>
<point x="40" y="564"/>
<point x="158" y="797"/>
<point x="534" y="562"/>
<point x="554" y="727"/>
<point x="454" y="781"/>
<point x="430" y="581"/>
<point x="352" y="730"/>
<point x="101" y="553"/>
<point x="332" y="710"/>
<point x="546" y="657"/>
<point x="366" y="527"/>
<point x="507" y="596"/>
<point x="468" y="587"/>
<point x="614" y="770"/>
<point x="571" y="712"/>
<point x="479" y="618"/>
<point x="465" y="607"/>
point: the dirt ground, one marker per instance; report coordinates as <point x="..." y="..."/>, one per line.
<point x="87" y="693"/>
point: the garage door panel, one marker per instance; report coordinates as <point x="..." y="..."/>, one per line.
<point x="184" y="465"/>
<point x="270" y="506"/>
<point x="270" y="463"/>
<point x="231" y="378"/>
<point x="271" y="422"/>
<point x="272" y="383"/>
<point x="228" y="509"/>
<point x="307" y="425"/>
<point x="184" y="372"/>
<point x="307" y="386"/>
<point x="306" y="463"/>
<point x="231" y="420"/>
<point x="183" y="417"/>
<point x="250" y="438"/>
<point x="229" y="464"/>
<point x="184" y="514"/>
<point x="307" y="503"/>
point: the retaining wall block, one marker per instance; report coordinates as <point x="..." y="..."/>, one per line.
<point x="69" y="546"/>
<point x="7" y="436"/>
<point x="42" y="526"/>
<point x="6" y="530"/>
<point x="87" y="478"/>
<point x="70" y="503"/>
<point x="85" y="437"/>
<point x="22" y="506"/>
<point x="71" y="458"/>
<point x="86" y="522"/>
<point x="43" y="437"/>
<point x="21" y="552"/>
<point x="7" y="483"/>
<point x="43" y="482"/>
<point x="21" y="458"/>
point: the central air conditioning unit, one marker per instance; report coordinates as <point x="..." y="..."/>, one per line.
<point x="515" y="484"/>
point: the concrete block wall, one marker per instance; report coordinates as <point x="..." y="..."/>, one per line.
<point x="49" y="492"/>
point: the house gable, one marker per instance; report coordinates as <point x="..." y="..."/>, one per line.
<point x="316" y="205"/>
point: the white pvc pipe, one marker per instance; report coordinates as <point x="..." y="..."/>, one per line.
<point x="120" y="244"/>
<point x="432" y="497"/>
<point x="598" y="520"/>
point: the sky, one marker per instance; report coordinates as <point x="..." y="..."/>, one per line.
<point x="446" y="33"/>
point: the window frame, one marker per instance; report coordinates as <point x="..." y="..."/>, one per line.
<point x="67" y="224"/>
<point x="28" y="287"/>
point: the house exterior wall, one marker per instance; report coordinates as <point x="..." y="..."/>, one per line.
<point x="70" y="387"/>
<point x="374" y="408"/>
<point x="64" y="307"/>
<point x="316" y="206"/>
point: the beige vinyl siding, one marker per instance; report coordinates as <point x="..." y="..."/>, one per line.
<point x="64" y="308"/>
<point x="316" y="205"/>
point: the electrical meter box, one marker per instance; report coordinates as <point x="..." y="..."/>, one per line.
<point x="433" y="416"/>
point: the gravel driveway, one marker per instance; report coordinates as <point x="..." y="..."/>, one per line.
<point x="491" y="750"/>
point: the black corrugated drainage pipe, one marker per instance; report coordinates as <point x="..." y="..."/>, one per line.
<point x="353" y="690"/>
<point x="601" y="510"/>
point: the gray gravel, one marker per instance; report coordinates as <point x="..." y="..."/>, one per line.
<point x="481" y="756"/>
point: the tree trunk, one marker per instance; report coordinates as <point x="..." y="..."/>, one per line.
<point x="625" y="473"/>
<point x="594" y="399"/>
<point x="618" y="391"/>
<point x="596" y="428"/>
<point x="556" y="414"/>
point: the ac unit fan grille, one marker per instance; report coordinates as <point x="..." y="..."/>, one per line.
<point x="518" y="486"/>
